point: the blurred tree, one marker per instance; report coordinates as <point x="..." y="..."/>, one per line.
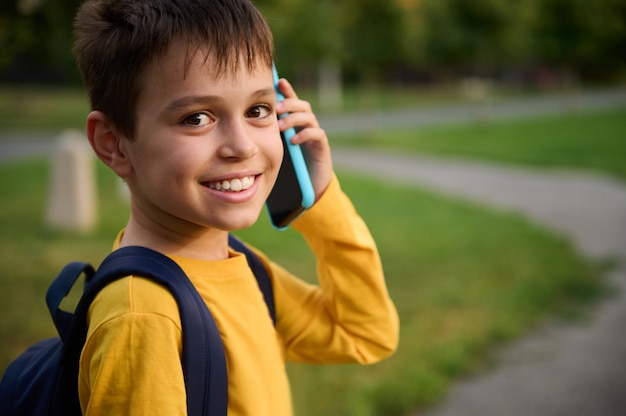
<point x="413" y="28"/>
<point x="35" y="37"/>
<point x="477" y="36"/>
<point x="362" y="36"/>
<point x="370" y="38"/>
<point x="306" y="32"/>
<point x="373" y="35"/>
<point x="582" y="37"/>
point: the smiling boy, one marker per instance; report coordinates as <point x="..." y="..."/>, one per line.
<point x="184" y="110"/>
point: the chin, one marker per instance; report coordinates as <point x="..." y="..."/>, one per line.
<point x="241" y="224"/>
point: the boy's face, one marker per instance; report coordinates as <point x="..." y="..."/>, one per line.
<point x="206" y="150"/>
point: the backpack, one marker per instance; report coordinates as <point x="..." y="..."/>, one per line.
<point x="43" y="380"/>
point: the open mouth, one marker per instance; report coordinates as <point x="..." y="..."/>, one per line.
<point x="232" y="185"/>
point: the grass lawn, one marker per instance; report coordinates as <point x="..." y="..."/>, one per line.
<point x="594" y="141"/>
<point x="464" y="280"/>
<point x="54" y="109"/>
<point x="42" y="109"/>
<point x="58" y="108"/>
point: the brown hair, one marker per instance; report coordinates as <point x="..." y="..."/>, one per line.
<point x="116" y="39"/>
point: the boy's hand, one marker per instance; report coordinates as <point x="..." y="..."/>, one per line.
<point x="312" y="137"/>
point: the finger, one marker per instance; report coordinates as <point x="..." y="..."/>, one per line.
<point x="293" y="105"/>
<point x="310" y="135"/>
<point x="286" y="88"/>
<point x="298" y="119"/>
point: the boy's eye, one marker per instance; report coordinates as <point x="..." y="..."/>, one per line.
<point x="259" y="111"/>
<point x="197" y="120"/>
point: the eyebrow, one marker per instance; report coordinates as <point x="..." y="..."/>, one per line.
<point x="193" y="100"/>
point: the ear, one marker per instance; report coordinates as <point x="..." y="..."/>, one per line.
<point x="108" y="144"/>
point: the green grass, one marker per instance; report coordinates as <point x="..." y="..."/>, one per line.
<point x="464" y="280"/>
<point x="36" y="109"/>
<point x="42" y="109"/>
<point x="594" y="141"/>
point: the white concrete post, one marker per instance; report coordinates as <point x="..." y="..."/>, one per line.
<point x="478" y="92"/>
<point x="330" y="86"/>
<point x="72" y="192"/>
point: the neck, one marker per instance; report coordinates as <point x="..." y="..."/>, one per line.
<point x="203" y="244"/>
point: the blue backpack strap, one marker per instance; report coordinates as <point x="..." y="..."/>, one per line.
<point x="60" y="288"/>
<point x="262" y="278"/>
<point x="204" y="364"/>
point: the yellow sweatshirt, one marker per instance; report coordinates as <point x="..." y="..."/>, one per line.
<point x="130" y="364"/>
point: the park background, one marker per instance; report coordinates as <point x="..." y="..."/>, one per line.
<point x="378" y="44"/>
<point x="466" y="279"/>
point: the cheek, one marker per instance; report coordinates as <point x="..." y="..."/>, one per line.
<point x="274" y="149"/>
<point x="161" y="164"/>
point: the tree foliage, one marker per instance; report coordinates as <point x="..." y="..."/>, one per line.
<point x="586" y="36"/>
<point x="35" y="37"/>
<point x="372" y="38"/>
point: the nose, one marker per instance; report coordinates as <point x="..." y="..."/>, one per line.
<point x="237" y="141"/>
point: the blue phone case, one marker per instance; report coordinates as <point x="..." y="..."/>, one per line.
<point x="299" y="164"/>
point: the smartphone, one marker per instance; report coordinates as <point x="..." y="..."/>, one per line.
<point x="293" y="191"/>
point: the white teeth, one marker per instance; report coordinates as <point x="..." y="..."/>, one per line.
<point x="247" y="182"/>
<point x="233" y="185"/>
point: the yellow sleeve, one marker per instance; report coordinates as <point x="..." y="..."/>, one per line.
<point x="130" y="364"/>
<point x="350" y="316"/>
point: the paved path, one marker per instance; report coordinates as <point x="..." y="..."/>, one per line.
<point x="574" y="370"/>
<point x="500" y="109"/>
